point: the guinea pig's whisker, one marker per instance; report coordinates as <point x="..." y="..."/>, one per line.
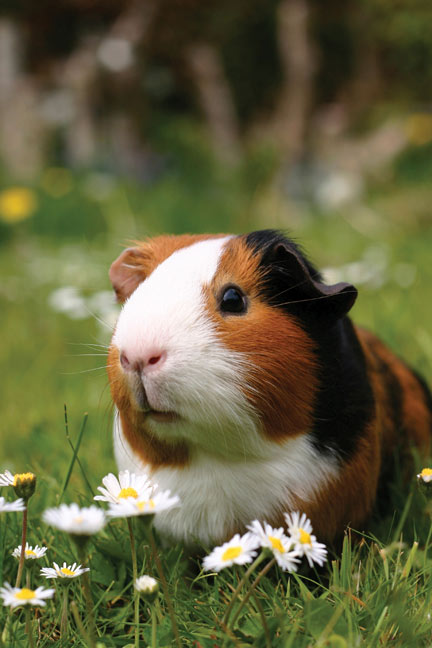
<point x="310" y="299"/>
<point x="99" y="319"/>
<point x="297" y="285"/>
<point x="83" y="371"/>
<point x="90" y="345"/>
<point x="86" y="355"/>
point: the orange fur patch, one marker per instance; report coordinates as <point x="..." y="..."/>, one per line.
<point x="349" y="499"/>
<point x="415" y="415"/>
<point x="281" y="378"/>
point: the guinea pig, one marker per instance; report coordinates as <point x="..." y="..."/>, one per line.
<point x="242" y="386"/>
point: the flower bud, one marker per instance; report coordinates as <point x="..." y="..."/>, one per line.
<point x="424" y="481"/>
<point x="24" y="485"/>
<point x="148" y="587"/>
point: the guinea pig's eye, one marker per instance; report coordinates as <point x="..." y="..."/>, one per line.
<point x="233" y="301"/>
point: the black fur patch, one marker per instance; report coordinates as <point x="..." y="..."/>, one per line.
<point x="274" y="285"/>
<point x="344" y="402"/>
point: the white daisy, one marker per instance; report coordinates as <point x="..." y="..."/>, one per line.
<point x="129" y="507"/>
<point x="300" y="529"/>
<point x="67" y="571"/>
<point x="75" y="520"/>
<point x="296" y="524"/>
<point x="30" y="553"/>
<point x="6" y="478"/>
<point x="279" y="544"/>
<point x="128" y="485"/>
<point x="238" y="551"/>
<point x="425" y="475"/>
<point x="17" y="505"/>
<point x="15" y="596"/>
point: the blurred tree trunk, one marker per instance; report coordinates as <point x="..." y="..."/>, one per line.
<point x="292" y="114"/>
<point x="80" y="74"/>
<point x="21" y="133"/>
<point x="134" y="26"/>
<point x="215" y="99"/>
<point x="365" y="86"/>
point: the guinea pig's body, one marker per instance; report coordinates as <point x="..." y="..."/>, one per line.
<point x="242" y="386"/>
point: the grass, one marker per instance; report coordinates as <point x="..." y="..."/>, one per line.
<point x="373" y="593"/>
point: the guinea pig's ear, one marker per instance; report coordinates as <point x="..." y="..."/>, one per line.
<point x="127" y="272"/>
<point x="303" y="286"/>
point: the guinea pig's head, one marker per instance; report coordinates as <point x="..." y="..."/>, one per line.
<point x="213" y="347"/>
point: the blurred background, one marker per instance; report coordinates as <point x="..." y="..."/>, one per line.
<point x="123" y="119"/>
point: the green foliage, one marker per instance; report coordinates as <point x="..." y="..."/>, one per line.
<point x="414" y="165"/>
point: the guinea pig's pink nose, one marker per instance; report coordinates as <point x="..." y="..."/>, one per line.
<point x="143" y="363"/>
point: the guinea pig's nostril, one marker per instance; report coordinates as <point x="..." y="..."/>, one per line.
<point x="124" y="361"/>
<point x="154" y="359"/>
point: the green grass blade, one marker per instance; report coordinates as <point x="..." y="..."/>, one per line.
<point x="74" y="457"/>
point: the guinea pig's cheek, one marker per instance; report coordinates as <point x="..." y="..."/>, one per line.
<point x="280" y="381"/>
<point x="119" y="388"/>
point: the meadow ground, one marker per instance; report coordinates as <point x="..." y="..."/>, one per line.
<point x="57" y="312"/>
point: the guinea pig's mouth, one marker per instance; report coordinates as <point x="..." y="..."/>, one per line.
<point x="147" y="410"/>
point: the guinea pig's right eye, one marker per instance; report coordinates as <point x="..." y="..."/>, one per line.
<point x="233" y="301"/>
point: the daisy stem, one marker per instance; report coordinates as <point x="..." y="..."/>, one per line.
<point x="135" y="576"/>
<point x="263" y="619"/>
<point x="80" y="625"/>
<point x="262" y="573"/>
<point x="159" y="614"/>
<point x="164" y="587"/>
<point x="23" y="545"/>
<point x="64" y="614"/>
<point x="28" y="627"/>
<point x="88" y="599"/>
<point x="154" y="626"/>
<point x="242" y="581"/>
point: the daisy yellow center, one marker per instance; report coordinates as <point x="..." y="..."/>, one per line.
<point x="426" y="472"/>
<point x="25" y="594"/>
<point x="30" y="552"/>
<point x="141" y="505"/>
<point x="276" y="544"/>
<point x="79" y="519"/>
<point x="127" y="492"/>
<point x="231" y="553"/>
<point x="67" y="572"/>
<point x="304" y="537"/>
<point x="23" y="477"/>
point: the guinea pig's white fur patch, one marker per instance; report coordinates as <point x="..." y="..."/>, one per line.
<point x="216" y="493"/>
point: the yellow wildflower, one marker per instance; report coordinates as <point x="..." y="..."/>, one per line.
<point x="17" y="204"/>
